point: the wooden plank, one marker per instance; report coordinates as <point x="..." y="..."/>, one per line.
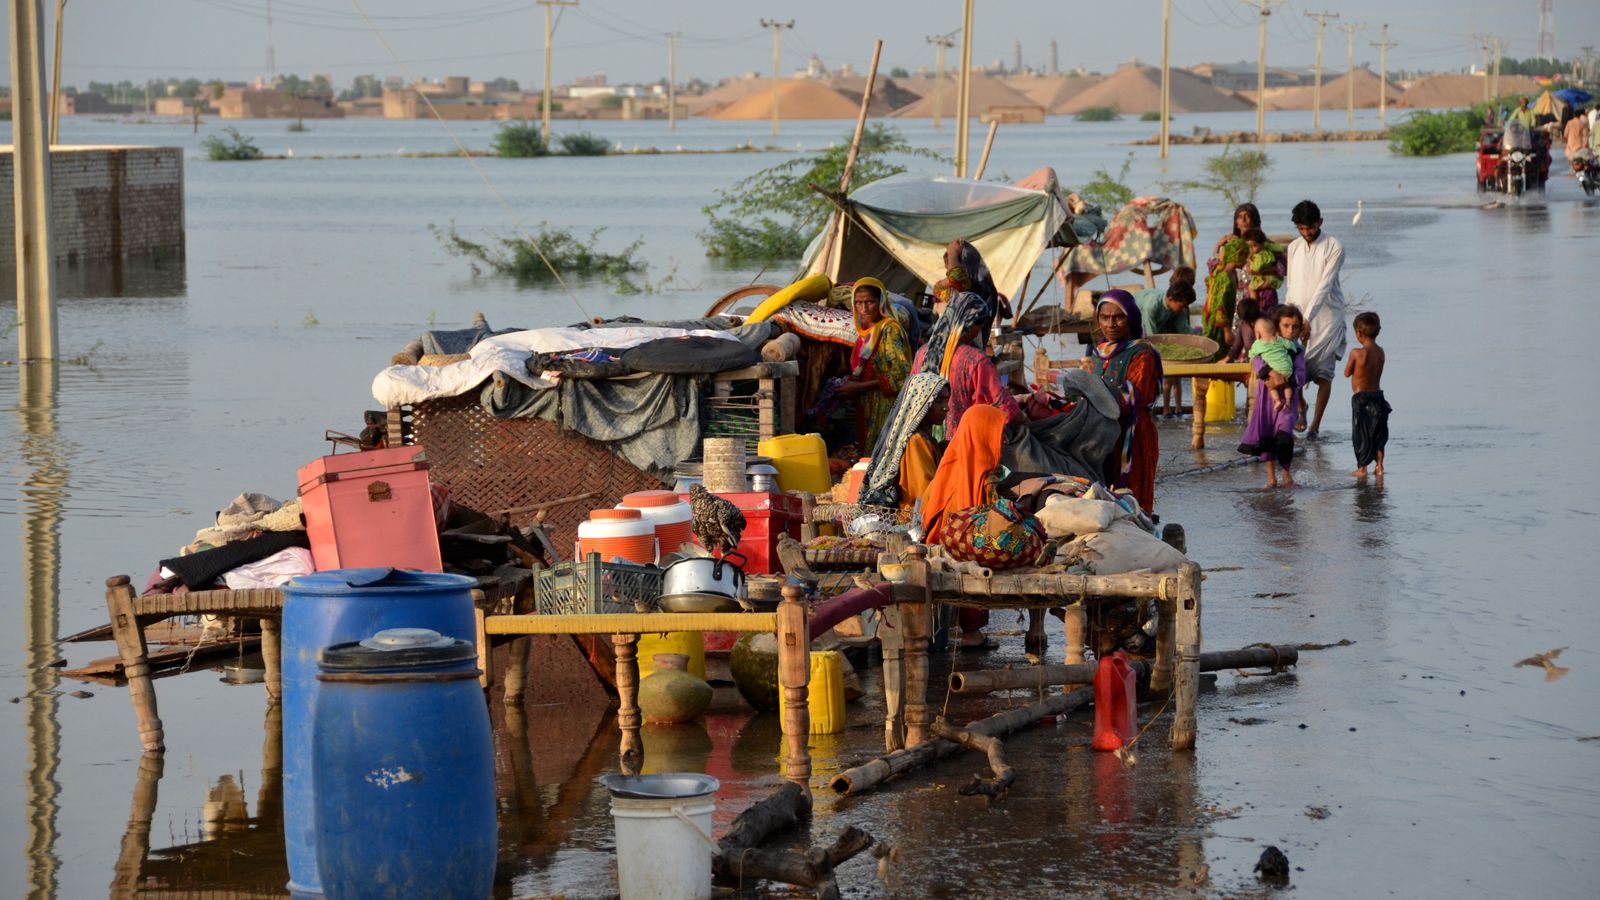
<point x="1206" y="370"/>
<point x="631" y="623"/>
<point x="950" y="587"/>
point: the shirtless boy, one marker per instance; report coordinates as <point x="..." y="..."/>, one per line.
<point x="1369" y="411"/>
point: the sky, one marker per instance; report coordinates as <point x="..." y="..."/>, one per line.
<point x="112" y="40"/>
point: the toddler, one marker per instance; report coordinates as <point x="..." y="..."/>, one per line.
<point x="1278" y="352"/>
<point x="1262" y="268"/>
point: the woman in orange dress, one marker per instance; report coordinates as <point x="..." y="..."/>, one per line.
<point x="960" y="484"/>
<point x="1132" y="370"/>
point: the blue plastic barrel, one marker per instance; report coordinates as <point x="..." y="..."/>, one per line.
<point x="334" y="607"/>
<point x="404" y="770"/>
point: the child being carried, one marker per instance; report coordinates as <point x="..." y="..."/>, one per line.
<point x="1278" y="351"/>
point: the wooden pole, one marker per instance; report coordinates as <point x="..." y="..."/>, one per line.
<point x="1261" y="79"/>
<point x="777" y="28"/>
<point x="942" y="43"/>
<point x="30" y="159"/>
<point x="549" y="32"/>
<point x="1316" y="89"/>
<point x="1187" y="645"/>
<point x="891" y="639"/>
<point x="672" y="81"/>
<point x="1166" y="74"/>
<point x="983" y="681"/>
<point x="988" y="144"/>
<point x="1350" y="29"/>
<point x="131" y="647"/>
<point x="865" y="777"/>
<point x="989" y="746"/>
<point x="626" y="648"/>
<point x="1383" y="45"/>
<point x="794" y="675"/>
<point x="55" y="79"/>
<point x="833" y="251"/>
<point x="964" y="95"/>
<point x="1197" y="427"/>
<point x="914" y="625"/>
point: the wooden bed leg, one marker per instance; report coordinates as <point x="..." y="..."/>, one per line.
<point x="485" y="652"/>
<point x="1076" y="621"/>
<point x="891" y="639"/>
<point x="516" y="677"/>
<point x="136" y="840"/>
<point x="1161" y="668"/>
<point x="1187" y="645"/>
<point x="914" y="624"/>
<point x="1197" y="429"/>
<point x="272" y="658"/>
<point x="794" y="678"/>
<point x="131" y="647"/>
<point x="631" y="755"/>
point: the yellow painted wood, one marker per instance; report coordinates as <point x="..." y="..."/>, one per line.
<point x="631" y="623"/>
<point x="1205" y="370"/>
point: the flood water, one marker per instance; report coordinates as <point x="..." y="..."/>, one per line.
<point x="1444" y="771"/>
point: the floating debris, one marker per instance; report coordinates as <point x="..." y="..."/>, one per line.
<point x="1273" y="866"/>
<point x="1317" y="812"/>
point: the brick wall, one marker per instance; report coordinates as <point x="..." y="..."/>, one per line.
<point x="107" y="203"/>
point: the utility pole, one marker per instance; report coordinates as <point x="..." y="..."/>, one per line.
<point x="1484" y="45"/>
<point x="1350" y="29"/>
<point x="1261" y="69"/>
<point x="1383" y="46"/>
<point x="1055" y="68"/>
<point x="549" y="31"/>
<point x="1016" y="57"/>
<point x="55" y="80"/>
<point x="777" y="29"/>
<point x="1499" y="51"/>
<point x="1166" y="73"/>
<point x="1316" y="90"/>
<point x="1547" y="29"/>
<point x="672" y="80"/>
<point x="272" y="62"/>
<point x="943" y="42"/>
<point x="963" y="108"/>
<point x="30" y="160"/>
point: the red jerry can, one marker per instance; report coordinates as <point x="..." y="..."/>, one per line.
<point x="1116" y="714"/>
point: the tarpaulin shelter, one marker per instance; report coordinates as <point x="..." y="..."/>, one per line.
<point x="896" y="229"/>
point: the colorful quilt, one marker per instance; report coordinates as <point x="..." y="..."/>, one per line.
<point x="1153" y="229"/>
<point x="818" y="323"/>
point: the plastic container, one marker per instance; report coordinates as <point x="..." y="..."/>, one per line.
<point x="370" y="509"/>
<point x="853" y="479"/>
<point x="1220" y="405"/>
<point x="672" y="518"/>
<point x="618" y="533"/>
<point x="801" y="461"/>
<point x="404" y="770"/>
<point x="689" y="643"/>
<point x="1116" y="714"/>
<point x="827" y="692"/>
<point x="331" y="608"/>
<point x="663" y="825"/>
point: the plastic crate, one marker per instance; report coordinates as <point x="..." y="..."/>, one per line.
<point x="590" y="586"/>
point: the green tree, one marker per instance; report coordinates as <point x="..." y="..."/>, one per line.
<point x="519" y="140"/>
<point x="773" y="214"/>
<point x="1106" y="191"/>
<point x="899" y="72"/>
<point x="1235" y="175"/>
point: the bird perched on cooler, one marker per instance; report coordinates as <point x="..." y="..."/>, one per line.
<point x="716" y="521"/>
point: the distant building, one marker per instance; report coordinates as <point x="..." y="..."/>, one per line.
<point x="1241" y="76"/>
<point x="266" y="103"/>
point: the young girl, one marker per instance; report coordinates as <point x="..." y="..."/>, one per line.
<point x="1270" y="431"/>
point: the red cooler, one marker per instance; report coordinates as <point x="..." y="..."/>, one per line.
<point x="370" y="509"/>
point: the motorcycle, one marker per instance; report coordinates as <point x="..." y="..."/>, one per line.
<point x="1510" y="160"/>
<point x="1586" y="168"/>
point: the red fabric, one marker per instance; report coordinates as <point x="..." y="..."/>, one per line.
<point x="962" y="477"/>
<point x="974" y="381"/>
<point x="1145" y="450"/>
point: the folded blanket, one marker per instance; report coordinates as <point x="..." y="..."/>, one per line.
<point x="200" y="571"/>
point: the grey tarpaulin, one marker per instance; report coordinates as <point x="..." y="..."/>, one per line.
<point x="652" y="421"/>
<point x="1077" y="442"/>
<point x="752" y="335"/>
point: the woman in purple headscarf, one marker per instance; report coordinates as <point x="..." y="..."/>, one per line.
<point x="1132" y="370"/>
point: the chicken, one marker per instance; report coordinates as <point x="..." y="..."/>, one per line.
<point x="716" y="522"/>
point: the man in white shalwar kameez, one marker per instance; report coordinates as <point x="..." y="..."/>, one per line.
<point x="1314" y="264"/>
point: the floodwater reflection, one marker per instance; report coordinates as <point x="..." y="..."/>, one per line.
<point x="43" y="489"/>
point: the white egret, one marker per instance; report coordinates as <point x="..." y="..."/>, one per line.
<point x="1356" y="220"/>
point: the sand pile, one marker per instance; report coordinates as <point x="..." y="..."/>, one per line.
<point x="887" y="94"/>
<point x="1335" y="93"/>
<point x="798" y="98"/>
<point x="1137" y="89"/>
<point x="1052" y="91"/>
<point x="1455" y="91"/>
<point x="986" y="93"/>
<point x="723" y="94"/>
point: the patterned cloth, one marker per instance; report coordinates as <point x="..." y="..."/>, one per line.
<point x="1132" y="239"/>
<point x="883" y="473"/>
<point x="995" y="534"/>
<point x="1222" y="291"/>
<point x="818" y="323"/>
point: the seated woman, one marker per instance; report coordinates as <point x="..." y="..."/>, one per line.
<point x="923" y="451"/>
<point x="960" y="484"/>
<point x="952" y="351"/>
<point x="879" y="362"/>
<point x="1132" y="370"/>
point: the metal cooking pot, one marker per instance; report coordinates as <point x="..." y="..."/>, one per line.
<point x="704" y="575"/>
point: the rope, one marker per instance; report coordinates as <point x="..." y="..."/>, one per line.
<point x="478" y="170"/>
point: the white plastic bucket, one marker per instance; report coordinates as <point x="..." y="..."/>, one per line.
<point x="663" y="826"/>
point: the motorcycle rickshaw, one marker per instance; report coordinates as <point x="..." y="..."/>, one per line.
<point x="1512" y="159"/>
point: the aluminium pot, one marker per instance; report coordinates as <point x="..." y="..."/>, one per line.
<point x="704" y="575"/>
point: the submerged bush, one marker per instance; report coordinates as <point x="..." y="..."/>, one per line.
<point x="1234" y="174"/>
<point x="1107" y="191"/>
<point x="518" y="257"/>
<point x="583" y="144"/>
<point x="230" y="146"/>
<point x="1098" y="114"/>
<point x="1153" y="116"/>
<point x="519" y="140"/>
<point x="1428" y="133"/>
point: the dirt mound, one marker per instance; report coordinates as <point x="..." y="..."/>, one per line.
<point x="887" y="95"/>
<point x="1052" y="91"/>
<point x="986" y="92"/>
<point x="1137" y="89"/>
<point x="798" y="98"/>
<point x="723" y="94"/>
<point x="1335" y="93"/>
<point x="1454" y="91"/>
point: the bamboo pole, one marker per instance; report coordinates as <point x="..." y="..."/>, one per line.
<point x="983" y="681"/>
<point x="983" y="160"/>
<point x="631" y="755"/>
<point x="794" y="675"/>
<point x="964" y="93"/>
<point x="836" y="234"/>
<point x="868" y="776"/>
